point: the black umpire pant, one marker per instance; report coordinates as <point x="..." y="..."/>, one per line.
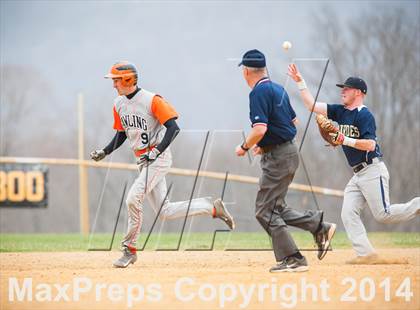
<point x="278" y="169"/>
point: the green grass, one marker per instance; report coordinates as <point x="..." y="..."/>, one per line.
<point x="237" y="240"/>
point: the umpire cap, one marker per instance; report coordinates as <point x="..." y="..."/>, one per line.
<point x="253" y="59"/>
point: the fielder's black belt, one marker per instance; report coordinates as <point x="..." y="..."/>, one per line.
<point x="362" y="165"/>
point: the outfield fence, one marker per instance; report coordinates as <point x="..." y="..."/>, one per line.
<point x="83" y="164"/>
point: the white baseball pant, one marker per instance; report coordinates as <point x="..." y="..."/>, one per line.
<point x="370" y="187"/>
<point x="151" y="184"/>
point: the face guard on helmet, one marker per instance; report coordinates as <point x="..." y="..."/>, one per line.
<point x="124" y="70"/>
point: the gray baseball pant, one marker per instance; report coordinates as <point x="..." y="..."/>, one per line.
<point x="278" y="169"/>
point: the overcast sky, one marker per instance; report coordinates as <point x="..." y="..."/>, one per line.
<point x="185" y="50"/>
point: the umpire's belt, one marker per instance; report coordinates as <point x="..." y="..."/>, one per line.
<point x="362" y="165"/>
<point x="269" y="148"/>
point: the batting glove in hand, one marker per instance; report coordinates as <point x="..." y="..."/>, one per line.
<point x="146" y="159"/>
<point x="337" y="138"/>
<point x="98" y="155"/>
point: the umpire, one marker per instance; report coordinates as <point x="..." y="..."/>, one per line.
<point x="272" y="135"/>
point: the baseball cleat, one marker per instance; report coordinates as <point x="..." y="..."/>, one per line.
<point x="222" y="213"/>
<point x="291" y="264"/>
<point x="127" y="258"/>
<point x="323" y="238"/>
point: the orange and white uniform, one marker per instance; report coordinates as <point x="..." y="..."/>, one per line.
<point x="142" y="118"/>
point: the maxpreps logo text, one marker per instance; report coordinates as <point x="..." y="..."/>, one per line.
<point x="186" y="289"/>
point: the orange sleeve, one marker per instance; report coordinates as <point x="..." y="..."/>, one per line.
<point x="117" y="121"/>
<point x="162" y="110"/>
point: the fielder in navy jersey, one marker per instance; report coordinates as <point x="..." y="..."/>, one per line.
<point x="369" y="185"/>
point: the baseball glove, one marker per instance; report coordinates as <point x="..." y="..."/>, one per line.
<point x="327" y="129"/>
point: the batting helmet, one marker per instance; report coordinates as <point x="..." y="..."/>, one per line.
<point x="124" y="70"/>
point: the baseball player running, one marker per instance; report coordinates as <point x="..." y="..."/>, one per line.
<point x="149" y="123"/>
<point x="370" y="182"/>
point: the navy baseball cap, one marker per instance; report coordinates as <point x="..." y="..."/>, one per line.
<point x="253" y="59"/>
<point x="354" y="82"/>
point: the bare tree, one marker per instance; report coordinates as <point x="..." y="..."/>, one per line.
<point x="21" y="90"/>
<point x="383" y="47"/>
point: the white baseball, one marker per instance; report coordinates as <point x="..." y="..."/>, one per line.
<point x="286" y="45"/>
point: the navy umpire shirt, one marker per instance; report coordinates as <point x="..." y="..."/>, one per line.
<point x="358" y="124"/>
<point x="269" y="105"/>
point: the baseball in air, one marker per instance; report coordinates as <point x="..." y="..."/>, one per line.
<point x="286" y="45"/>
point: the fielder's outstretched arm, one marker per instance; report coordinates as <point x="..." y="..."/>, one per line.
<point x="308" y="99"/>
<point x="360" y="144"/>
<point x="365" y="145"/>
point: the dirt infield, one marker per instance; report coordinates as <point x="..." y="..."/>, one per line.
<point x="205" y="280"/>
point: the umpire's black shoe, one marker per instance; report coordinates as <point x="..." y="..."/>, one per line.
<point x="291" y="264"/>
<point x="323" y="238"/>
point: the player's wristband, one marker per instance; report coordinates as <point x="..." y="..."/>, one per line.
<point x="349" y="141"/>
<point x="302" y="85"/>
<point x="246" y="149"/>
